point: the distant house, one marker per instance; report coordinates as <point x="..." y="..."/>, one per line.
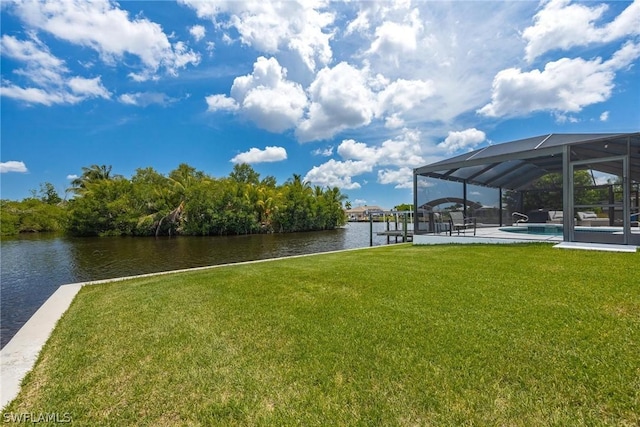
<point x="363" y="213"/>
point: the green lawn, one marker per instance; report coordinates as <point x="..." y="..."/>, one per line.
<point x="516" y="335"/>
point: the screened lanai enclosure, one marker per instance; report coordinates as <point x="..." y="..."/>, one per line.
<point x="585" y="185"/>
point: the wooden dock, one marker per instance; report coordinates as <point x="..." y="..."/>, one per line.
<point x="397" y="234"/>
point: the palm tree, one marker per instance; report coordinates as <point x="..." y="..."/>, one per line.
<point x="334" y="198"/>
<point x="90" y="174"/>
<point x="266" y="204"/>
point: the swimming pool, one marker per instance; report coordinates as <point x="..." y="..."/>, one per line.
<point x="555" y="229"/>
<point x="539" y="229"/>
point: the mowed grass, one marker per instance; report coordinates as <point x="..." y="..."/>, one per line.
<point x="516" y="335"/>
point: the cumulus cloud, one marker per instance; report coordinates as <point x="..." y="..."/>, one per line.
<point x="445" y="71"/>
<point x="265" y="97"/>
<point x="405" y="152"/>
<point x="198" y="32"/>
<point x="395" y="38"/>
<point x="48" y="77"/>
<point x="340" y="99"/>
<point x="262" y="26"/>
<point x="561" y="24"/>
<point x="336" y="173"/>
<point x="221" y="102"/>
<point x="467" y="139"/>
<point x="100" y="25"/>
<point x="455" y="48"/>
<point x="13" y="166"/>
<point x="403" y="95"/>
<point x="394" y="121"/>
<point x="604" y="116"/>
<point x="565" y="86"/>
<point x="72" y="176"/>
<point x="256" y="155"/>
<point x="352" y="149"/>
<point x="402" y="178"/>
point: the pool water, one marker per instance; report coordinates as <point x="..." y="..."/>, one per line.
<point x="542" y="229"/>
<point x="555" y="229"/>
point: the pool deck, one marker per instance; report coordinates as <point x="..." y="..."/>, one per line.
<point x="483" y="235"/>
<point x="494" y="235"/>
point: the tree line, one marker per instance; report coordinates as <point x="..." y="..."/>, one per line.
<point x="546" y="192"/>
<point x="186" y="202"/>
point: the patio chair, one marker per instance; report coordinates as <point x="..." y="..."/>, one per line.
<point x="556" y="217"/>
<point x="460" y="222"/>
<point x="591" y="219"/>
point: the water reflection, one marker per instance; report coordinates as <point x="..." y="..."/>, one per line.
<point x="34" y="266"/>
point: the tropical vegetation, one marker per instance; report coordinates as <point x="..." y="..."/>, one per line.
<point x="547" y="193"/>
<point x="186" y="201"/>
<point x="43" y="211"/>
<point x="399" y="335"/>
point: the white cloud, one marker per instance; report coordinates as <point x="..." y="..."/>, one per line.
<point x="604" y="116"/>
<point x="565" y="118"/>
<point x="403" y="95"/>
<point x="265" y="97"/>
<point x="565" y="86"/>
<point x="340" y="99"/>
<point x="36" y="96"/>
<point x="467" y="139"/>
<point x="325" y="152"/>
<point x="90" y="88"/>
<point x="337" y="174"/>
<point x="392" y="39"/>
<point x="449" y="72"/>
<point x="72" y="176"/>
<point x="47" y="75"/>
<point x="459" y="48"/>
<point x="561" y="24"/>
<point x="404" y="151"/>
<point x="198" y="32"/>
<point x="271" y="27"/>
<point x="354" y="150"/>
<point x="255" y="155"/>
<point x="43" y="66"/>
<point x="102" y="26"/>
<point x="403" y="177"/>
<point x="13" y="166"/>
<point x="221" y="102"/>
<point x="144" y="99"/>
<point x="624" y="57"/>
<point x="211" y="46"/>
<point x="394" y="121"/>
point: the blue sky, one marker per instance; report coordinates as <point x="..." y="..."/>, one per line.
<point x="352" y="94"/>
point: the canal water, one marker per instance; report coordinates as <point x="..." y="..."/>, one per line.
<point x="33" y="266"/>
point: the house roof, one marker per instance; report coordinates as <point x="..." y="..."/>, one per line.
<point x="363" y="209"/>
<point x="516" y="165"/>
